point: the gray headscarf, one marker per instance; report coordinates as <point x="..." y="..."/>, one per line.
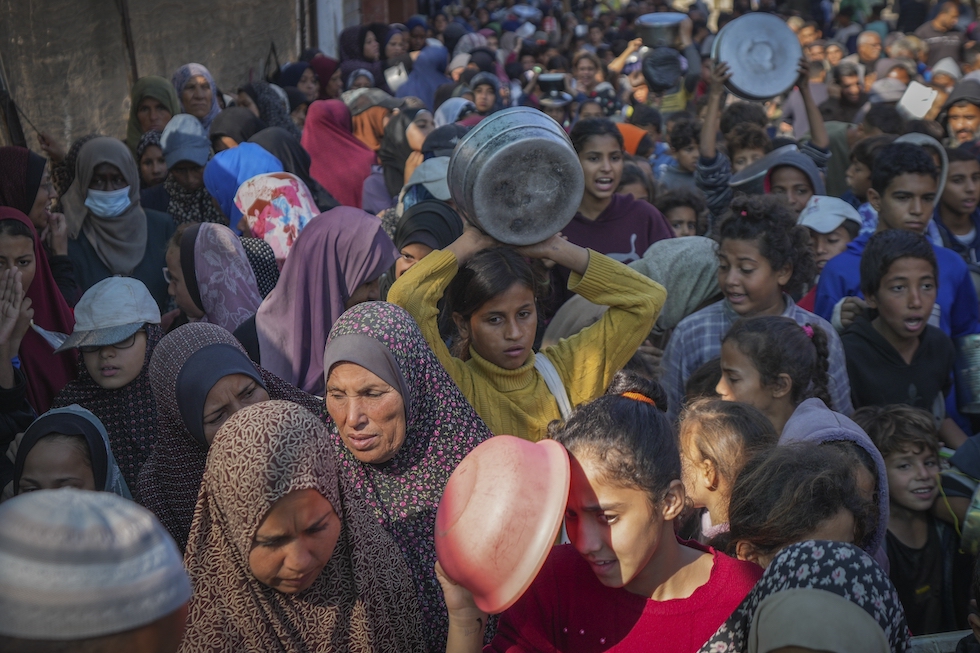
<point x="686" y="267"/>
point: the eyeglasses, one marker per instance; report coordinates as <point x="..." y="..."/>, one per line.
<point x="122" y="344"/>
<point x="166" y="276"/>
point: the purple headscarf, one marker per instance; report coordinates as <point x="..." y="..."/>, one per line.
<point x="337" y="251"/>
<point x="179" y="79"/>
<point x="813" y="422"/>
<point x="226" y="289"/>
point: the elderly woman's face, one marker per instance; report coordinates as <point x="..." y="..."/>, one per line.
<point x="369" y="413"/>
<point x="196" y="96"/>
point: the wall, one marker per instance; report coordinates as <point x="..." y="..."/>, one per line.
<point x="67" y="65"/>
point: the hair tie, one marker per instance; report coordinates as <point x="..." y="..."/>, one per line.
<point x="636" y="396"/>
<point x="745" y="214"/>
<point x="808" y="330"/>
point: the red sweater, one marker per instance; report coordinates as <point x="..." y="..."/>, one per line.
<point x="568" y="610"/>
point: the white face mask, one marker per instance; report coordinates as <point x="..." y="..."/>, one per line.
<point x="108" y="203"/>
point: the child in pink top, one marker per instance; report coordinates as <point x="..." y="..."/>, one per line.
<point x="625" y="583"/>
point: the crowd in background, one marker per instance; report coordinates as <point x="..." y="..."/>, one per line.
<point x="243" y="350"/>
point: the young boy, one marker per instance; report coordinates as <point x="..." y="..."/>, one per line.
<point x="931" y="578"/>
<point x="903" y="192"/>
<point x="683" y="138"/>
<point x="833" y="223"/>
<point x="685" y="210"/>
<point x="893" y="355"/>
<point x="859" y="174"/>
<point x="957" y="215"/>
<point x="714" y="169"/>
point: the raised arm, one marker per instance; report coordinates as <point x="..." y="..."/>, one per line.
<point x="818" y="130"/>
<point x="712" y="120"/>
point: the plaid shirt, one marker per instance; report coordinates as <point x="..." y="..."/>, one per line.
<point x="697" y="339"/>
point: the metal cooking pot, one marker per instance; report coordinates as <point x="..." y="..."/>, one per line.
<point x="516" y="176"/>
<point x="968" y="373"/>
<point x="762" y="53"/>
<point x="660" y="30"/>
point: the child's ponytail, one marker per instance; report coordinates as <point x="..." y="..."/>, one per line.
<point x="778" y="345"/>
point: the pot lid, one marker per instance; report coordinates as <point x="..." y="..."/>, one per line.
<point x="762" y="53"/>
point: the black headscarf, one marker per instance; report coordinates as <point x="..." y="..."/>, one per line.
<point x="237" y="123"/>
<point x="395" y="150"/>
<point x="280" y="143"/>
<point x="430" y="222"/>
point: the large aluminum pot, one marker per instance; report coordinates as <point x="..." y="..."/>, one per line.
<point x="968" y="373"/>
<point x="516" y="176"/>
<point x="762" y="53"/>
<point x="660" y="30"/>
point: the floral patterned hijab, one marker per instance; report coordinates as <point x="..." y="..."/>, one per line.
<point x="171" y="477"/>
<point x="843" y="569"/>
<point x="277" y="206"/>
<point x="361" y="601"/>
<point x="441" y="428"/>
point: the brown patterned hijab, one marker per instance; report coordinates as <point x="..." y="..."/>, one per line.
<point x="169" y="481"/>
<point x="363" y="600"/>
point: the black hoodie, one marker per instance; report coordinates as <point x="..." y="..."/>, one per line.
<point x="880" y="376"/>
<point x="965" y="89"/>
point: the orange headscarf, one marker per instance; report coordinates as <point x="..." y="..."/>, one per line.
<point x="631" y="136"/>
<point x="369" y="126"/>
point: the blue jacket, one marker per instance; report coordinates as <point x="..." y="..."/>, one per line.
<point x="957" y="299"/>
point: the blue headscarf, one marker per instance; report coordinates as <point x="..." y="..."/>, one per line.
<point x="231" y="168"/>
<point x="427" y="75"/>
<point x="291" y="73"/>
<point x="179" y="80"/>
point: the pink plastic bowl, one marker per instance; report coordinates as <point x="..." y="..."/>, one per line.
<point x="499" y="517"/>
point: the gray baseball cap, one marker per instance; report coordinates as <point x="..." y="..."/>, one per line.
<point x="184" y="139"/>
<point x="111" y="311"/>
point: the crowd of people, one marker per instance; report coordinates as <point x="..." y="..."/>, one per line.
<point x="243" y="350"/>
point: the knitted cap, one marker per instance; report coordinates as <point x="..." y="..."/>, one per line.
<point x="76" y="564"/>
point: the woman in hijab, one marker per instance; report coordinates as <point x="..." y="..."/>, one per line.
<point x="426" y="226"/>
<point x="339" y="161"/>
<point x="402" y="481"/>
<point x="427" y="75"/>
<point x="817" y="596"/>
<point x="200" y="377"/>
<point x="335" y="263"/>
<point x="404" y="136"/>
<point x="47" y="373"/>
<point x="360" y="48"/>
<point x="210" y="276"/>
<point x="271" y="465"/>
<point x="234" y="126"/>
<point x="263" y="100"/>
<point x="453" y="110"/>
<point x="228" y="170"/>
<point x="153" y="102"/>
<point x="151" y="162"/>
<point x="67" y="447"/>
<point x="109" y="232"/>
<point x="301" y="76"/>
<point x="369" y="126"/>
<point x="328" y="72"/>
<point x="276" y="207"/>
<point x="295" y="160"/>
<point x="25" y="185"/>
<point x="197" y="92"/>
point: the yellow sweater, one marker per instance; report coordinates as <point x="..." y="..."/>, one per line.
<point x="518" y="402"/>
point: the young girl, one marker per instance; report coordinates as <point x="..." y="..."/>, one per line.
<point x="625" y="582"/>
<point x="618" y="226"/>
<point x="763" y="256"/>
<point x="67" y="447"/>
<point x="22" y="251"/>
<point x="795" y="493"/>
<point x="491" y="295"/>
<point x="774" y="364"/>
<point x="113" y="380"/>
<point x="716" y="439"/>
